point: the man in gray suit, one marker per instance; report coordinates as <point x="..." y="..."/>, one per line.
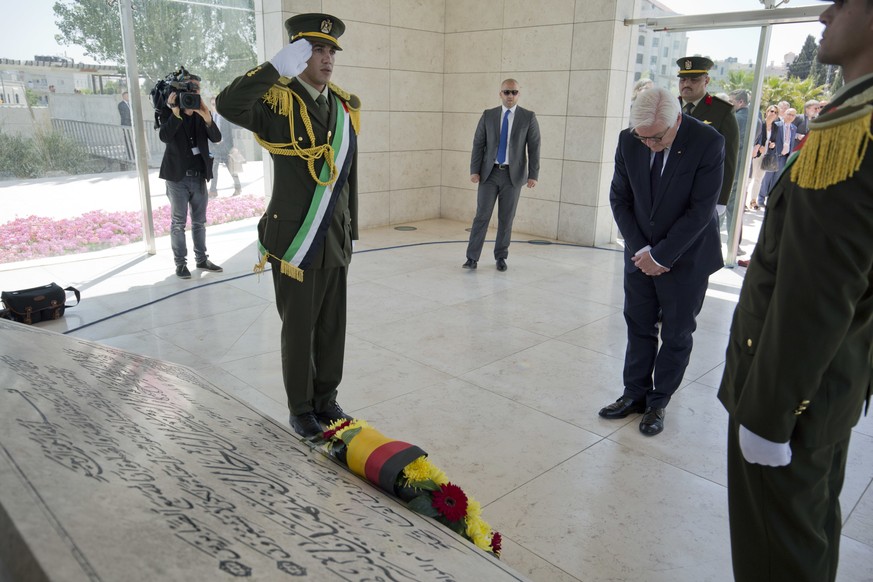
<point x="506" y="152"/>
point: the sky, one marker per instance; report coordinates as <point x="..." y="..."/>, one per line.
<point x="31" y="31"/>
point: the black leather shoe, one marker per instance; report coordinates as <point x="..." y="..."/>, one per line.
<point x="470" y="264"/>
<point x="621" y="408"/>
<point x="208" y="265"/>
<point x="332" y="413"/>
<point x="653" y="421"/>
<point x="306" y="425"/>
<point x="501" y="264"/>
<point x="182" y="272"/>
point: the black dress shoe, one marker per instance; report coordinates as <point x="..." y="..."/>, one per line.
<point x="501" y="264"/>
<point x="306" y="425"/>
<point x="208" y="265"/>
<point x="470" y="264"/>
<point x="621" y="408"/>
<point x="653" y="421"/>
<point x="332" y="413"/>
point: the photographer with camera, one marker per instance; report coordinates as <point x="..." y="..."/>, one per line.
<point x="186" y="126"/>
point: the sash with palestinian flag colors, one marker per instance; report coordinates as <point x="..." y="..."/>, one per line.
<point x="310" y="236"/>
<point x="379" y="459"/>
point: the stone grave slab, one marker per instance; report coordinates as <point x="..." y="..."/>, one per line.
<point x="115" y="466"/>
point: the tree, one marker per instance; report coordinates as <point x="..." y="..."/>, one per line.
<point x="739" y="79"/>
<point x="803" y="63"/>
<point x="215" y="42"/>
<point x="795" y="91"/>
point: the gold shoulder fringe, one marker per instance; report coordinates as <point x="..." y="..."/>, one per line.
<point x="834" y="150"/>
<point x="354" y="103"/>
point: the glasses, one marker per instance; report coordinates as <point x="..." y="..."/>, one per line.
<point x="653" y="139"/>
<point x="510" y="91"/>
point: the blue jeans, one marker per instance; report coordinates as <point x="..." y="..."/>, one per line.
<point x="189" y="191"/>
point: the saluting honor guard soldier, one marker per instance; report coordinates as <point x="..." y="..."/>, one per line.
<point x="799" y="364"/>
<point x="693" y="78"/>
<point x="310" y="128"/>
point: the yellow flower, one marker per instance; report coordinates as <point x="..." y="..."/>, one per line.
<point x="437" y="476"/>
<point x="482" y="541"/>
<point x="474" y="508"/>
<point x="418" y="470"/>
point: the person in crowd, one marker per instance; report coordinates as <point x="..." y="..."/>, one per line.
<point x="310" y="127"/>
<point x="778" y="137"/>
<point x="798" y="370"/>
<point x="506" y="154"/>
<point x="222" y="153"/>
<point x="739" y="99"/>
<point x="667" y="180"/>
<point x="693" y="79"/>
<point x="782" y="107"/>
<point x="643" y="84"/>
<point x="810" y="111"/>
<point x="187" y="167"/>
<point x="124" y="113"/>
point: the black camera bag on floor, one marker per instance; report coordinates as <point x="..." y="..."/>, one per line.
<point x="37" y="304"/>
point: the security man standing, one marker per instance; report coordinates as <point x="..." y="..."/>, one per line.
<point x="696" y="102"/>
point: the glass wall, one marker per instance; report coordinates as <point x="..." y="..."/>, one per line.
<point x="68" y="117"/>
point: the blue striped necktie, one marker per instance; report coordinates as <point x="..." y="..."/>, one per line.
<point x="504" y="130"/>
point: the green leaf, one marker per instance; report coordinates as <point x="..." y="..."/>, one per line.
<point x="422" y="505"/>
<point x="348" y="435"/>
<point x="459" y="527"/>
<point x="427" y="485"/>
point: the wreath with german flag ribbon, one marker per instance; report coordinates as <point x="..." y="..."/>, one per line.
<point x="403" y="470"/>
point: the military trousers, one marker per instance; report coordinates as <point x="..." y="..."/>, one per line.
<point x="313" y="314"/>
<point x="785" y="521"/>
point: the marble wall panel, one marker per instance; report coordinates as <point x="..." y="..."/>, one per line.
<point x="416" y="130"/>
<point x="456" y="170"/>
<point x="471" y="92"/>
<point x="458" y="204"/>
<point x="540" y="48"/>
<point x="604" y="10"/>
<point x="415" y="169"/>
<point x="552" y="130"/>
<point x="373" y="171"/>
<point x="592" y="45"/>
<point x="372" y="11"/>
<point x="419" y="14"/>
<point x="365" y="45"/>
<point x="584" y="139"/>
<point x="458" y="131"/>
<point x="374" y="209"/>
<point x="416" y="50"/>
<point x="414" y="91"/>
<point x="577" y="224"/>
<point x="464" y="16"/>
<point x="371" y="85"/>
<point x="415" y="204"/>
<point x="536" y="217"/>
<point x="543" y="92"/>
<point x="523" y="13"/>
<point x="589" y="91"/>
<point x="581" y="183"/>
<point x="473" y="52"/>
<point x="374" y="131"/>
<point x="549" y="182"/>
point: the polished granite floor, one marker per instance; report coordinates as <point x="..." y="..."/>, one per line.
<point x="498" y="376"/>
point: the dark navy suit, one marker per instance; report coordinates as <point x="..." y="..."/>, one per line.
<point x="679" y="223"/>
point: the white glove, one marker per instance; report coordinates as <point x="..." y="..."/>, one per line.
<point x="292" y="59"/>
<point x="760" y="451"/>
<point x="720" y="208"/>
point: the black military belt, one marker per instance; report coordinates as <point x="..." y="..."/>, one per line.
<point x="501" y="166"/>
<point x="194" y="173"/>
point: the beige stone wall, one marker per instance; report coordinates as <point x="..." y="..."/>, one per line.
<point x="426" y="69"/>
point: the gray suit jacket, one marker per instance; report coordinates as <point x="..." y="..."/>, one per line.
<point x="524" y="145"/>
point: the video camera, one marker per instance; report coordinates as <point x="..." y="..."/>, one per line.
<point x="180" y="82"/>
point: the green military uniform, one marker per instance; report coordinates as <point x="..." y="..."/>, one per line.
<point x="799" y="359"/>
<point x="311" y="299"/>
<point x="718" y="114"/>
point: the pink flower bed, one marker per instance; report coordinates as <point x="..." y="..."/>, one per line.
<point x="36" y="237"/>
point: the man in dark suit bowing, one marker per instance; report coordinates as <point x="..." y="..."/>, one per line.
<point x="506" y="153"/>
<point x="668" y="176"/>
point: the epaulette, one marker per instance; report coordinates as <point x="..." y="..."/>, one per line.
<point x="719" y="101"/>
<point x="354" y="104"/>
<point x="836" y="144"/>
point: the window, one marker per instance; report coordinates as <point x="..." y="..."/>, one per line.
<point x="641" y="40"/>
<point x="656" y="41"/>
<point x="639" y="58"/>
<point x="653" y="60"/>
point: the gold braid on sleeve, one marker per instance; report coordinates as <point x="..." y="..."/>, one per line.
<point x="279" y="98"/>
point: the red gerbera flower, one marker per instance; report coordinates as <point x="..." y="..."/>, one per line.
<point x="496" y="543"/>
<point x="450" y="501"/>
<point x="328" y="434"/>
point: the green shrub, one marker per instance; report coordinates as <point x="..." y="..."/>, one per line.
<point x="62" y="153"/>
<point x="19" y="157"/>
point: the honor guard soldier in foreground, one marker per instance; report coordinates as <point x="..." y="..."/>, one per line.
<point x="693" y="78"/>
<point x="799" y="365"/>
<point x="310" y="128"/>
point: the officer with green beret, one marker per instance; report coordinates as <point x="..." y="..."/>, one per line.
<point x="310" y="128"/>
<point x="693" y="78"/>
